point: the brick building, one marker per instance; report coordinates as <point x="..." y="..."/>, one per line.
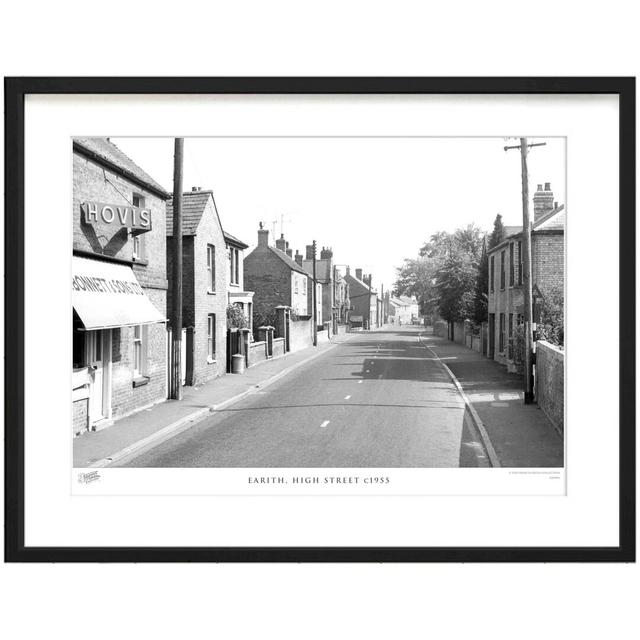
<point x="363" y="298"/>
<point x="276" y="279"/>
<point x="506" y="295"/>
<point x="119" y="286"/>
<point x="324" y="278"/>
<point x="211" y="280"/>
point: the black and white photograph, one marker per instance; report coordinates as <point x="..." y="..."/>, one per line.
<point x="318" y="302"/>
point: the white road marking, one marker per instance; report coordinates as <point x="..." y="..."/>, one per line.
<point x="324" y="424"/>
<point x="347" y="397"/>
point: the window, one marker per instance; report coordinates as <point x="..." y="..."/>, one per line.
<point x="501" y="334"/>
<point x="520" y="262"/>
<point x="304" y="285"/>
<point x="511" y="264"/>
<point x="234" y="264"/>
<point x="295" y="283"/>
<point x="511" y="325"/>
<point x="139" y="349"/>
<point x="211" y="268"/>
<point x="211" y="337"/>
<point x="502" y="269"/>
<point x="492" y="274"/>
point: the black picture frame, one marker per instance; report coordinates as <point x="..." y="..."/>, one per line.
<point x="15" y="91"/>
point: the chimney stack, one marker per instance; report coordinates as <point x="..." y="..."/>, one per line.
<point x="359" y="274"/>
<point x="298" y="258"/>
<point x="309" y="252"/>
<point x="348" y="270"/>
<point x="542" y="201"/>
<point x="326" y="253"/>
<point x="281" y="243"/>
<point x="289" y="251"/>
<point x="263" y="237"/>
<point x="195" y="188"/>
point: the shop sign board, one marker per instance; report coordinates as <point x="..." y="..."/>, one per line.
<point x="117" y="214"/>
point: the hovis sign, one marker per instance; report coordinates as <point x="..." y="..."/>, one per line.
<point x="116" y="214"/>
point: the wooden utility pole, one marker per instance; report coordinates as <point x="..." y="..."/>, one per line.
<point x="526" y="271"/>
<point x="176" y="301"/>
<point x="315" y="302"/>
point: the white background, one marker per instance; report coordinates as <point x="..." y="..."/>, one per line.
<point x="320" y="601"/>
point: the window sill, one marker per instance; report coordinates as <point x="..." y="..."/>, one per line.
<point x="140" y="381"/>
<point x="211" y="361"/>
<point x="141" y="261"/>
<point x="211" y="293"/>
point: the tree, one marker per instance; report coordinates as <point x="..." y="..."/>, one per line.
<point x="498" y="234"/>
<point x="480" y="294"/>
<point x="416" y="278"/>
<point x="236" y="318"/>
<point x="455" y="284"/>
<point x="551" y="324"/>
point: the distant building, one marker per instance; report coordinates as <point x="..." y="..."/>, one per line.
<point x="403" y="309"/>
<point x="506" y="295"/>
<point x="211" y="278"/>
<point x="341" y="299"/>
<point x="364" y="300"/>
<point x="119" y="286"/>
<point x="324" y="278"/>
<point x="276" y="279"/>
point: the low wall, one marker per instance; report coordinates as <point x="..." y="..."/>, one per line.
<point x="278" y="347"/>
<point x="301" y="334"/>
<point x="458" y="332"/>
<point x="257" y="352"/>
<point x="440" y="328"/>
<point x="550" y="382"/>
<point x="323" y="336"/>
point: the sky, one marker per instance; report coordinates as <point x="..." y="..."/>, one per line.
<point x="374" y="201"/>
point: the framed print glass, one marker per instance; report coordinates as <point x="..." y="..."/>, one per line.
<point x="320" y="319"/>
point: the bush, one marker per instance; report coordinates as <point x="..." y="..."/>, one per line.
<point x="551" y="324"/>
<point x="236" y="318"/>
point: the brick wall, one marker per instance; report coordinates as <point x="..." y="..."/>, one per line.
<point x="269" y="278"/>
<point x="80" y="416"/>
<point x="278" y="347"/>
<point x="92" y="182"/>
<point x="550" y="382"/>
<point x="257" y="352"/>
<point x="198" y="302"/>
<point x="547" y="260"/>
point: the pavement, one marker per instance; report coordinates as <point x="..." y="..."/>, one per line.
<point x="521" y="435"/>
<point x="144" y="429"/>
<point x="380" y="399"/>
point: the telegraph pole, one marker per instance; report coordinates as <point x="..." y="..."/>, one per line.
<point x="176" y="302"/>
<point x="313" y="297"/>
<point x="528" y="292"/>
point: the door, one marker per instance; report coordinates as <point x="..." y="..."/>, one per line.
<point x="492" y="335"/>
<point x="95" y="361"/>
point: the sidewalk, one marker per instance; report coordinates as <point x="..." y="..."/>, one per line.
<point x="151" y="426"/>
<point x="521" y="435"/>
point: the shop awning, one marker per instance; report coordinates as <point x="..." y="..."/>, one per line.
<point x="107" y="295"/>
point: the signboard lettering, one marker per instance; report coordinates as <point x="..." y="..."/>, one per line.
<point x="122" y="215"/>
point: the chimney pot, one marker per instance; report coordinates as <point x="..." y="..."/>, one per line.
<point x="263" y="236"/>
<point x="539" y="187"/>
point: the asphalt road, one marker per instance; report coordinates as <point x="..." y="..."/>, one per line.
<point x="379" y="399"/>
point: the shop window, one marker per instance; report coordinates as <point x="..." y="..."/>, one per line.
<point x="211" y="337"/>
<point x="140" y="350"/>
<point x="79" y="348"/>
<point x="211" y="268"/>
